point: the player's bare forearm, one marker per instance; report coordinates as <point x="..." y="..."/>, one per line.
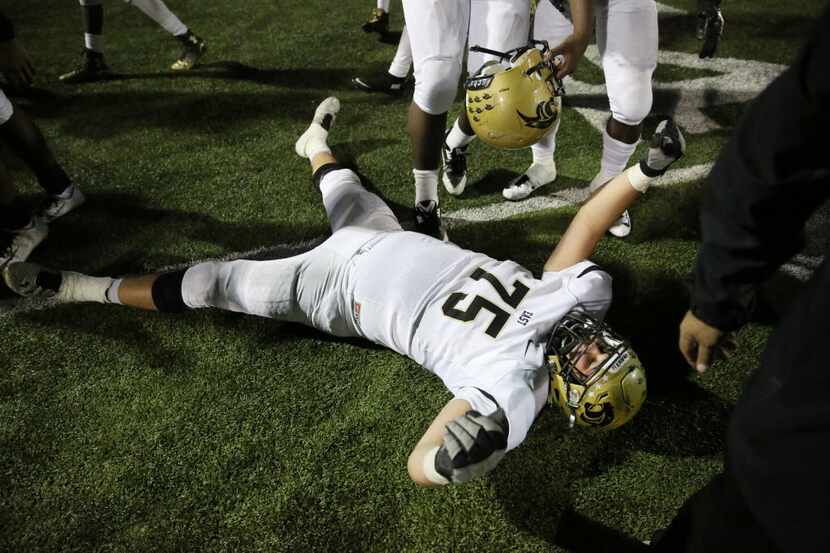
<point x="591" y="223"/>
<point x="432" y="439"/>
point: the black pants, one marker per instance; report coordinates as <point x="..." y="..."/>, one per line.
<point x="774" y="495"/>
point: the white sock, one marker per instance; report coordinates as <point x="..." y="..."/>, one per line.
<point x="383" y="5"/>
<point x="112" y="292"/>
<point x="544" y="150"/>
<point x="316" y="142"/>
<point x="615" y="155"/>
<point x="458" y="138"/>
<point x="158" y="12"/>
<point x="402" y="61"/>
<point x="80" y="287"/>
<point x="94" y="42"/>
<point x="426" y="185"/>
<point x="541" y="172"/>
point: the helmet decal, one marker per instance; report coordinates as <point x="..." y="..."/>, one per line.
<point x="546" y="114"/>
<point x="598" y="414"/>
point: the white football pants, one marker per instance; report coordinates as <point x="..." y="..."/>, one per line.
<point x="314" y="288"/>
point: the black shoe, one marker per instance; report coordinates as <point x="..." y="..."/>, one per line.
<point x="386" y="83"/>
<point x="378" y="22"/>
<point x="193" y="48"/>
<point x="455" y="167"/>
<point x="92" y="69"/>
<point x="710" y="25"/>
<point x="428" y="220"/>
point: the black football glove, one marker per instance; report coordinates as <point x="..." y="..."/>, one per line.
<point x="709" y="26"/>
<point x="473" y="445"/>
<point x="667" y="146"/>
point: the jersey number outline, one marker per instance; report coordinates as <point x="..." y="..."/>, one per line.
<point x="500" y="316"/>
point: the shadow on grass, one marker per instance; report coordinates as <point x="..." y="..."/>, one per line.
<point x="106" y="114"/>
<point x="115" y="222"/>
<point x="230" y="70"/>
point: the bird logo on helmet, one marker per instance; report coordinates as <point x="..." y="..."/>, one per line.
<point x="612" y="391"/>
<point x="513" y="106"/>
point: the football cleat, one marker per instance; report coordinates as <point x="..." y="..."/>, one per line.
<point x="537" y="175"/>
<point x="385" y="83"/>
<point x="710" y="25"/>
<point x="455" y="168"/>
<point x="428" y="220"/>
<point x="193" y="48"/>
<point x="92" y="69"/>
<point x="622" y="227"/>
<point x="317" y="132"/>
<point x="19" y="244"/>
<point x="378" y="22"/>
<point x="58" y="206"/>
<point x="30" y="279"/>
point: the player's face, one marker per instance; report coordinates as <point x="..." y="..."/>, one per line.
<point x="587" y="358"/>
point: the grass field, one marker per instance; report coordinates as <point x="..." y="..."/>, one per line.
<point x="130" y="431"/>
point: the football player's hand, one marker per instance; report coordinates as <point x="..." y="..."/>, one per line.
<point x="15" y="64"/>
<point x="473" y="445"/>
<point x="571" y="51"/>
<point x="710" y="25"/>
<point x="701" y="343"/>
<point x="667" y="146"/>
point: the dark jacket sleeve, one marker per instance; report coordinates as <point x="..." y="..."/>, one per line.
<point x="773" y="173"/>
<point x="6" y="28"/>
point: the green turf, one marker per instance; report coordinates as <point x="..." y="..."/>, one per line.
<point x="208" y="431"/>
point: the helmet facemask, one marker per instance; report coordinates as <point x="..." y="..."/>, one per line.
<point x="596" y="378"/>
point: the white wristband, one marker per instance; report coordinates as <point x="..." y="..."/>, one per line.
<point x="639" y="180"/>
<point x="429" y="468"/>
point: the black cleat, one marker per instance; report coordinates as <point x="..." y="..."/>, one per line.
<point x="92" y="69"/>
<point x="385" y="83"/>
<point x="455" y="167"/>
<point x="710" y="25"/>
<point x="378" y="22"/>
<point x="193" y="48"/>
<point x="428" y="220"/>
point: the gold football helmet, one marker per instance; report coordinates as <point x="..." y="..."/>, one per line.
<point x="607" y="395"/>
<point x="515" y="106"/>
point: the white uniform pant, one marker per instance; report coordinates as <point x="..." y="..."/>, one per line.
<point x="438" y="32"/>
<point x="627" y="41"/>
<point x="314" y="288"/>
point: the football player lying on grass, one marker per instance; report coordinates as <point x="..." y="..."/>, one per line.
<point x="503" y="341"/>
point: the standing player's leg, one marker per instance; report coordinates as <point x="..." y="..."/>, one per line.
<point x="437" y="33"/>
<point x="550" y="25"/>
<point x="392" y="82"/>
<point x="193" y="47"/>
<point x="92" y="67"/>
<point x="499" y="25"/>
<point x="627" y="42"/>
<point x="378" y="21"/>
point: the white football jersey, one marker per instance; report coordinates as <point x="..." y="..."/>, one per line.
<point x="480" y="324"/>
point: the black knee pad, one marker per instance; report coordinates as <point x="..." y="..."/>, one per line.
<point x="322" y="171"/>
<point x="167" y="292"/>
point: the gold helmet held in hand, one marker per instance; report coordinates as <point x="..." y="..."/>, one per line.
<point x="513" y="107"/>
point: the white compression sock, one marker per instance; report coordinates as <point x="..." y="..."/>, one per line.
<point x="80" y="287"/>
<point x="94" y="42"/>
<point x="426" y="185"/>
<point x="615" y="155"/>
<point x="544" y="150"/>
<point x="158" y="12"/>
<point x="458" y="138"/>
